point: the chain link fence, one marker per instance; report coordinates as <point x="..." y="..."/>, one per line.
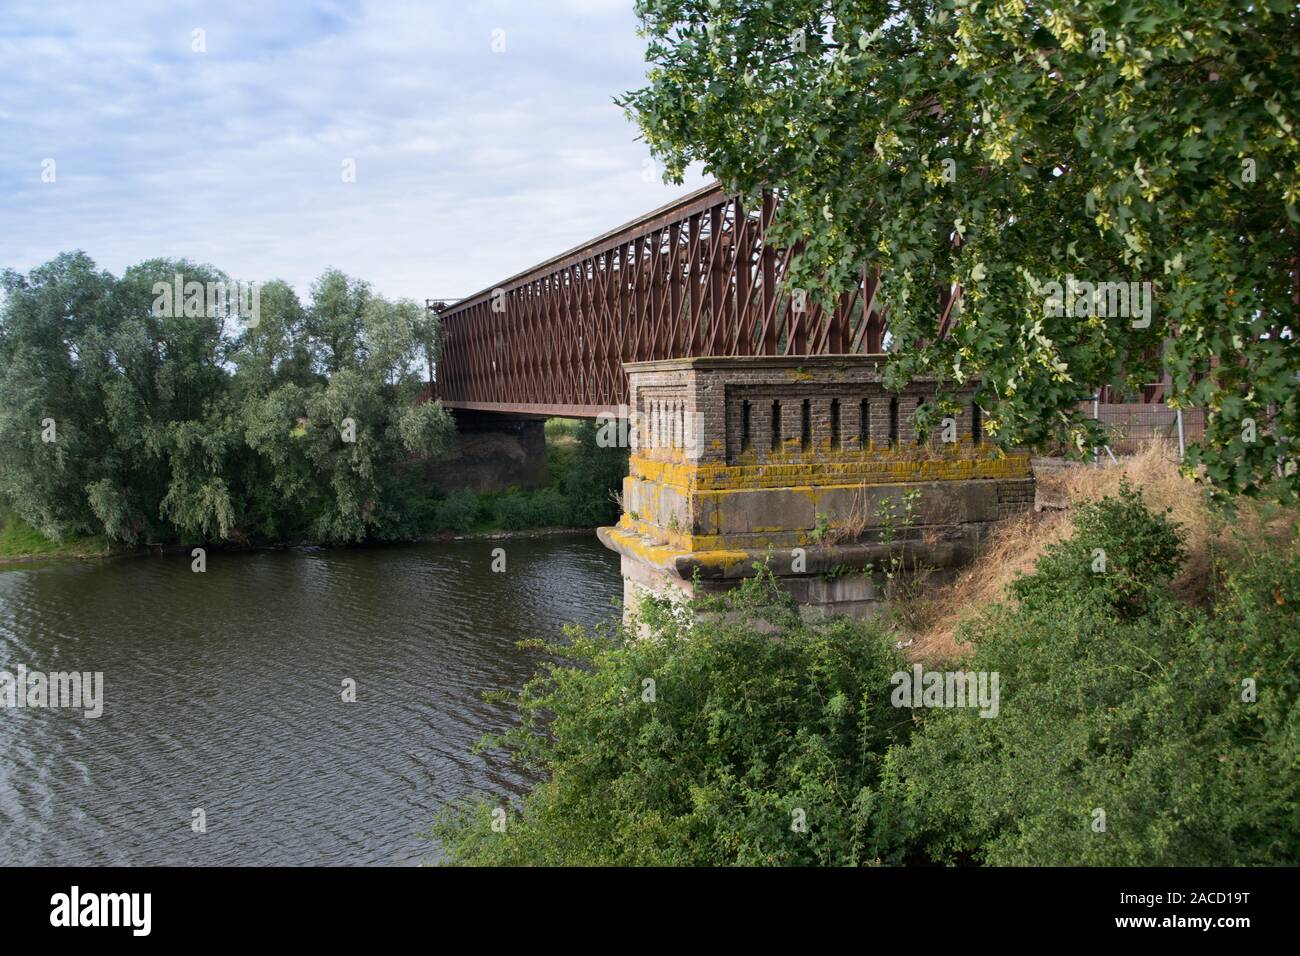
<point x="1131" y="426"/>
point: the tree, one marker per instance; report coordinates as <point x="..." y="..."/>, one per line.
<point x="1008" y="146"/>
<point x="146" y="424"/>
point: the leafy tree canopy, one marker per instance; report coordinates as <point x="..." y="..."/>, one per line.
<point x="1004" y="146"/>
<point x="146" y="425"/>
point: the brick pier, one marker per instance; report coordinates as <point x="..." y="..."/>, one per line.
<point x="809" y="464"/>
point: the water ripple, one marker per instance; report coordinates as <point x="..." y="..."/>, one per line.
<point x="223" y="693"/>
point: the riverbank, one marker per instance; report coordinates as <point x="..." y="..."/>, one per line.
<point x="577" y="500"/>
<point x="22" y="544"/>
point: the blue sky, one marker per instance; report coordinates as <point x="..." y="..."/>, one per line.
<point x="470" y="164"/>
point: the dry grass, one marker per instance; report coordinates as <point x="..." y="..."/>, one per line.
<point x="1210" y="535"/>
<point x="855" y="522"/>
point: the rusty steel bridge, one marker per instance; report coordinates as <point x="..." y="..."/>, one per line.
<point x="696" y="277"/>
<point x="693" y="278"/>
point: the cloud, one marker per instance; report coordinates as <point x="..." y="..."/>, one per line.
<point x="471" y="165"/>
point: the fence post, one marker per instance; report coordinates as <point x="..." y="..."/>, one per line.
<point x="1182" y="441"/>
<point x="1096" y="416"/>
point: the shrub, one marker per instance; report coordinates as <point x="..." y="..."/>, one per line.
<point x="732" y="734"/>
<point x="550" y="509"/>
<point x="1120" y="554"/>
<point x="1115" y="700"/>
<point x="459" y="511"/>
<point x="542" y="508"/>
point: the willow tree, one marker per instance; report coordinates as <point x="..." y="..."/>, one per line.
<point x="120" y="419"/>
<point x="1036" y="156"/>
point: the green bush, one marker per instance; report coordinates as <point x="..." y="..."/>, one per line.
<point x="1115" y="700"/>
<point x="511" y="511"/>
<point x="747" y="737"/>
<point x="459" y="511"/>
<point x="550" y="508"/>
<point x="541" y="508"/>
<point x="594" y="473"/>
<point x="1120" y="555"/>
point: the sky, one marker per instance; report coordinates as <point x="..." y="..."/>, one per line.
<point x="483" y="136"/>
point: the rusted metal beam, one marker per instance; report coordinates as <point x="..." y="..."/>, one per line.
<point x="535" y="409"/>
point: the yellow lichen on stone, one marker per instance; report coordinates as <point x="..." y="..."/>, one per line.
<point x="687" y="477"/>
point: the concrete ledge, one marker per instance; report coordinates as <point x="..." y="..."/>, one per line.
<point x="817" y="562"/>
<point x="886" y="466"/>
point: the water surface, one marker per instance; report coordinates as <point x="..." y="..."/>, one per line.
<point x="223" y="692"/>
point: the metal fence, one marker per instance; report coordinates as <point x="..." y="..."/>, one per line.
<point x="1130" y="426"/>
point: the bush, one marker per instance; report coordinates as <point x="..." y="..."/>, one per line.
<point x="459" y="511"/>
<point x="1126" y="731"/>
<point x="542" y="508"/>
<point x="747" y="737"/>
<point x="1115" y="700"/>
<point x="550" y="509"/>
<point x="593" y="474"/>
<point x="1120" y="554"/>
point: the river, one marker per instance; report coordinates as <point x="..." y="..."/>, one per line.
<point x="223" y="693"/>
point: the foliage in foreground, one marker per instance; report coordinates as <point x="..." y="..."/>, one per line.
<point x="1009" y="147"/>
<point x="1121" y="709"/>
<point x="751" y="717"/>
<point x="1114" y="698"/>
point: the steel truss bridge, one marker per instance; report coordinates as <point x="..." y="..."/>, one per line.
<point x="693" y="278"/>
<point x="696" y="277"/>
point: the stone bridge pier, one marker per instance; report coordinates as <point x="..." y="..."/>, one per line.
<point x="492" y="451"/>
<point x="809" y="464"/>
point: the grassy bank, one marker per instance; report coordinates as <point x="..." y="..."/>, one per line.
<point x="1215" y="539"/>
<point x="583" y="478"/>
<point x="19" y="541"/>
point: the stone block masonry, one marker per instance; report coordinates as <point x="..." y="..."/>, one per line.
<point x="807" y="463"/>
